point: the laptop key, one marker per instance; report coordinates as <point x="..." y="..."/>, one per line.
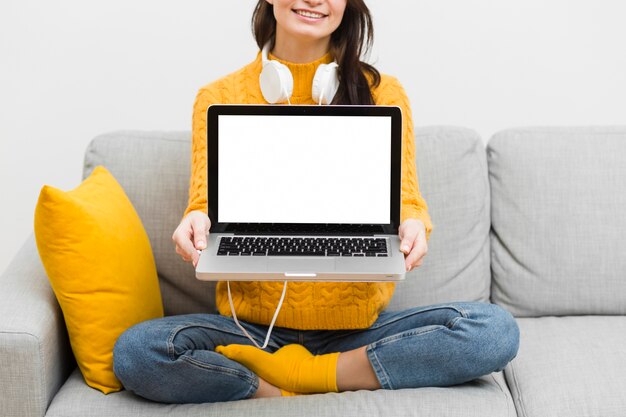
<point x="301" y="246"/>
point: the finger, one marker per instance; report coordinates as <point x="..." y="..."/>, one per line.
<point x="200" y="232"/>
<point x="184" y="247"/>
<point x="195" y="258"/>
<point x="417" y="253"/>
<point x="408" y="239"/>
<point x="182" y="254"/>
<point x="418" y="262"/>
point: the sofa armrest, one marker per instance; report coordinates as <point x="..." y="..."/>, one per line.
<point x="35" y="357"/>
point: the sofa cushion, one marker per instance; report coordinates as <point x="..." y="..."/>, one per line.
<point x="570" y="366"/>
<point x="154" y="167"/>
<point x="100" y="265"/>
<point x="452" y="174"/>
<point x="559" y="230"/>
<point x="487" y="396"/>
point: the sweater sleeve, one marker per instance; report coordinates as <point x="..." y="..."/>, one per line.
<point x="391" y="93"/>
<point x="198" y="191"/>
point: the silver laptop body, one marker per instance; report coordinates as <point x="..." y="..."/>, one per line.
<point x="303" y="193"/>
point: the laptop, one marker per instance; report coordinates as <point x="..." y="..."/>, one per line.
<point x="303" y="193"/>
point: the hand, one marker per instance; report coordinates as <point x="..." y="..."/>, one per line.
<point x="412" y="234"/>
<point x="191" y="235"/>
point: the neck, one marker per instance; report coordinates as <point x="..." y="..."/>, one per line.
<point x="299" y="51"/>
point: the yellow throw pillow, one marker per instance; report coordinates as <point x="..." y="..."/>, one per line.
<point x="98" y="258"/>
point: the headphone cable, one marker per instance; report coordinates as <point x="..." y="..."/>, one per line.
<point x="269" y="331"/>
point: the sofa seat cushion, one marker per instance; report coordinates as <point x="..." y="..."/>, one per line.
<point x="570" y="366"/>
<point x="487" y="396"/>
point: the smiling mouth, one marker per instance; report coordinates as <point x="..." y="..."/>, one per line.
<point x="309" y="14"/>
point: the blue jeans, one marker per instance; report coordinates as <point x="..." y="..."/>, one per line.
<point x="172" y="359"/>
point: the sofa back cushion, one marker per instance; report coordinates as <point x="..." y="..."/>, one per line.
<point x="154" y="167"/>
<point x="452" y="175"/>
<point x="558" y="223"/>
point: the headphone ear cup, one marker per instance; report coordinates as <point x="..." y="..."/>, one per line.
<point x="276" y="82"/>
<point x="325" y="83"/>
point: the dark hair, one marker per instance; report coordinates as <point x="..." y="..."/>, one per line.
<point x="352" y="39"/>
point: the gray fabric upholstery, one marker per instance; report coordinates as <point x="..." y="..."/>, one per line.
<point x="452" y="175"/>
<point x="557" y="199"/>
<point x="570" y="367"/>
<point x="153" y="168"/>
<point x="35" y="358"/>
<point x="487" y="396"/>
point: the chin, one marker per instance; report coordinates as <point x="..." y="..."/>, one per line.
<point x="308" y="33"/>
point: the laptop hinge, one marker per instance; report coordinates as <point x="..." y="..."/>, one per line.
<point x="304" y="229"/>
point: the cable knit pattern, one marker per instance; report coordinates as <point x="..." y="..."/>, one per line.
<point x="308" y="305"/>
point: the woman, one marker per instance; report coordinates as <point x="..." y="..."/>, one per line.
<point x="357" y="345"/>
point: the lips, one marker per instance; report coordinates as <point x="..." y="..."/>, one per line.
<point x="309" y="14"/>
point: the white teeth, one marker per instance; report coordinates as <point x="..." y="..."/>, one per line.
<point x="309" y="14"/>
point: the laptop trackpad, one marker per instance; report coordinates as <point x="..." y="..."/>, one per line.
<point x="301" y="265"/>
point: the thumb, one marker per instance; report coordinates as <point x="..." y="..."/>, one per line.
<point x="407" y="236"/>
<point x="199" y="229"/>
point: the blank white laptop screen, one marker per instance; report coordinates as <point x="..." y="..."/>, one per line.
<point x="304" y="169"/>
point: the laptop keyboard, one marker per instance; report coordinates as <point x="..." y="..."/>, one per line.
<point x="302" y="246"/>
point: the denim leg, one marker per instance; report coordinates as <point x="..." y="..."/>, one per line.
<point x="438" y="345"/>
<point x="172" y="359"/>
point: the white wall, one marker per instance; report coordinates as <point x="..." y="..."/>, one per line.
<point x="72" y="69"/>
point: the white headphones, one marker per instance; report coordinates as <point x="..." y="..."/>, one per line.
<point x="277" y="82"/>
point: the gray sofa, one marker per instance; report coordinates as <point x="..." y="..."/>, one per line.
<point x="535" y="222"/>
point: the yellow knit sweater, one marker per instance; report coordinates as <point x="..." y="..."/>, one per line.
<point x="307" y="306"/>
